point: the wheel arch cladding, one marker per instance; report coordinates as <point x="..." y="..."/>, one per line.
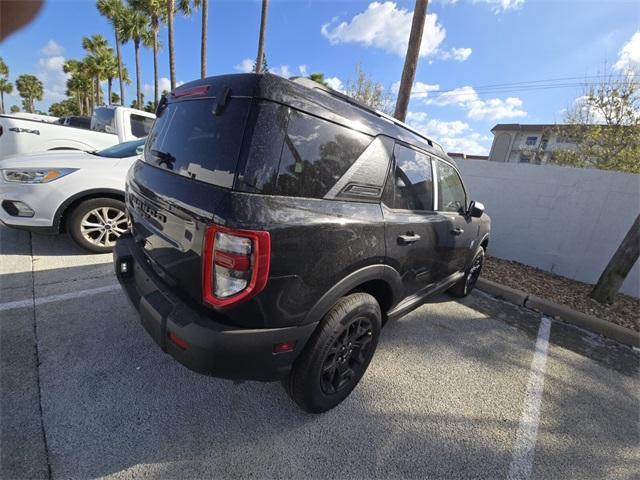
<point x="380" y="281"/>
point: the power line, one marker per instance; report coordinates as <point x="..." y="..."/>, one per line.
<point x="531" y="85"/>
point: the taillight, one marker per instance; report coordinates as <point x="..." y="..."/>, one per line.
<point x="235" y="265"/>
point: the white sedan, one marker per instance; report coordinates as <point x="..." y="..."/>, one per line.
<point x="81" y="193"/>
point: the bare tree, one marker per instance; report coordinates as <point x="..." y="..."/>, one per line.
<point x="411" y="59"/>
<point x="369" y="92"/>
<point x="263" y="28"/>
<point x="604" y="125"/>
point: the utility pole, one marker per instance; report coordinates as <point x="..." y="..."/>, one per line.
<point x="411" y="59"/>
<point x="263" y="28"/>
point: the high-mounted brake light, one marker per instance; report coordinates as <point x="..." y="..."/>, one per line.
<point x="235" y="265"/>
<point x="200" y="90"/>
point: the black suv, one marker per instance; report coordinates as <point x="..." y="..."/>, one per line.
<point x="277" y="224"/>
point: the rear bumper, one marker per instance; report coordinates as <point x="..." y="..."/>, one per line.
<point x="213" y="348"/>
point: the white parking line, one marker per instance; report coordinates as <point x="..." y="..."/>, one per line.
<point x="57" y="298"/>
<point x="525" y="444"/>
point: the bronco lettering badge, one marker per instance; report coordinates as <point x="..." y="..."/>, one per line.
<point x="147" y="210"/>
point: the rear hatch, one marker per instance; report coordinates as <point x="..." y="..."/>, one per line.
<point x="187" y="170"/>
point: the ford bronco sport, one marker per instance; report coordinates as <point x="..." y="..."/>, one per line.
<point x="276" y="224"/>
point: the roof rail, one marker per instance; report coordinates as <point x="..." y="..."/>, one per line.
<point x="307" y="82"/>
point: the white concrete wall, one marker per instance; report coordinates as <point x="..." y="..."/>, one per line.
<point x="563" y="220"/>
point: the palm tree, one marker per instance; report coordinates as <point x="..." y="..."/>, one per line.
<point x="172" y="63"/>
<point x="5" y="85"/>
<point x="97" y="47"/>
<point x="411" y="59"/>
<point x="157" y="12"/>
<point x="30" y="89"/>
<point x="113" y="11"/>
<point x="204" y="4"/>
<point x="135" y="29"/>
<point x="80" y="83"/>
<point x="4" y="70"/>
<point x="263" y="28"/>
<point x="111" y="70"/>
<point x="185" y="8"/>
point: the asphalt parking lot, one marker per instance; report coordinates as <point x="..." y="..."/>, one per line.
<point x="467" y="389"/>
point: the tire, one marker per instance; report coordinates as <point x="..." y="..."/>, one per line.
<point x="88" y="228"/>
<point x="465" y="285"/>
<point x="352" y="323"/>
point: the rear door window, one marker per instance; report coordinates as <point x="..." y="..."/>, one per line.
<point x="190" y="140"/>
<point x="413" y="180"/>
<point x="316" y="153"/>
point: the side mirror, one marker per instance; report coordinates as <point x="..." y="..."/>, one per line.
<point x="140" y="150"/>
<point x="476" y="209"/>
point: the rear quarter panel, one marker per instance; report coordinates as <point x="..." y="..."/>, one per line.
<point x="314" y="244"/>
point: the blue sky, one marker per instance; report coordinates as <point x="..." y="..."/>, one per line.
<point x="467" y="44"/>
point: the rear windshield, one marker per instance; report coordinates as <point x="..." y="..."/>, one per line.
<point x="190" y="140"/>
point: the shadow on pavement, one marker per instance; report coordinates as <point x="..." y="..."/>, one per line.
<point x="442" y="399"/>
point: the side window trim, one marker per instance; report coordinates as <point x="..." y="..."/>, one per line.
<point x="437" y="185"/>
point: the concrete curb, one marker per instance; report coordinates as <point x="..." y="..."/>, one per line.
<point x="523" y="299"/>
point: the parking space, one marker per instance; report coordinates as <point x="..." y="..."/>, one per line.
<point x="451" y="393"/>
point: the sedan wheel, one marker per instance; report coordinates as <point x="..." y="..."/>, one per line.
<point x="102" y="226"/>
<point x="96" y="224"/>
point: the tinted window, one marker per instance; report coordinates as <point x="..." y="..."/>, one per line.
<point x="121" y="150"/>
<point x="102" y="120"/>
<point x="140" y="126"/>
<point x="413" y="180"/>
<point x="190" y="140"/>
<point x="451" y="196"/>
<point x="316" y="153"/>
<point x="268" y="123"/>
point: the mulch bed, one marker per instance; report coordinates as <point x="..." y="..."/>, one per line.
<point x="625" y="310"/>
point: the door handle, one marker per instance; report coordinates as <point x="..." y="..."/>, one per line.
<point x="457" y="231"/>
<point x="408" y="239"/>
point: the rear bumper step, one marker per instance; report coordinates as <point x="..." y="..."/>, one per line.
<point x="212" y="348"/>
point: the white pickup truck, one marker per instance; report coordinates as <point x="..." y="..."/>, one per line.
<point x="109" y="126"/>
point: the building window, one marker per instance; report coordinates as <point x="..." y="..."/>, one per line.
<point x="531" y="140"/>
<point x="544" y="143"/>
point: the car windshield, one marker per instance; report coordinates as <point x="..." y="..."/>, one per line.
<point x="121" y="150"/>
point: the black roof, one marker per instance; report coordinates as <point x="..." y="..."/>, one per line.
<point x="314" y="98"/>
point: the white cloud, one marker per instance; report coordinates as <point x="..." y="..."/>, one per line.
<point x="477" y="109"/>
<point x="455" y="136"/>
<point x="52" y="49"/>
<point x="335" y="83"/>
<point x="282" y="70"/>
<point x="245" y="66"/>
<point x="458" y="54"/>
<point x="419" y="90"/>
<point x="163" y="84"/>
<point x="54" y="80"/>
<point x="385" y="26"/>
<point x="629" y="55"/>
<point x="499" y="6"/>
